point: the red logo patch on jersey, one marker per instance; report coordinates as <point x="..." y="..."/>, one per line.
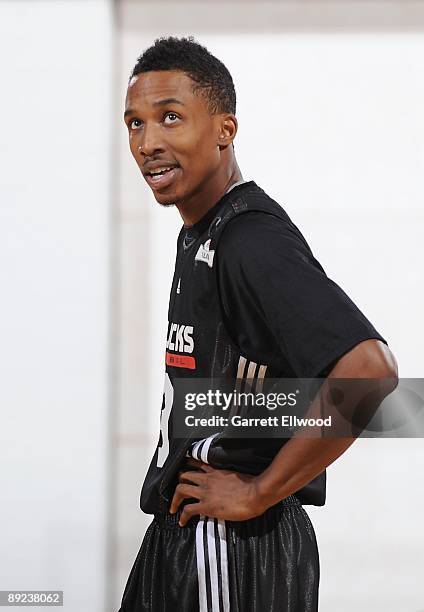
<point x="180" y="361"/>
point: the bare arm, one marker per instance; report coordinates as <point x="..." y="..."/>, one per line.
<point x="231" y="495"/>
<point x="302" y="459"/>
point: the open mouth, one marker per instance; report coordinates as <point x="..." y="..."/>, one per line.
<point x="161" y="177"/>
<point x="156" y="174"/>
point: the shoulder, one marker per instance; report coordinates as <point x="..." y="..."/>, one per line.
<point x="256" y="233"/>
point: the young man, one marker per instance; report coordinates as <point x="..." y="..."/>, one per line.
<point x="248" y="302"/>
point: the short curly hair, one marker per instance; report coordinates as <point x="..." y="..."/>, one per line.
<point x="212" y="78"/>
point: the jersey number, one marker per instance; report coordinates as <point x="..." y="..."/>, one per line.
<point x="168" y="398"/>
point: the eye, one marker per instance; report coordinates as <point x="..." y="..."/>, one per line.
<point x="131" y="124"/>
<point x="172" y="117"/>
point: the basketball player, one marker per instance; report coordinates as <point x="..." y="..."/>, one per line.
<point x="248" y="301"/>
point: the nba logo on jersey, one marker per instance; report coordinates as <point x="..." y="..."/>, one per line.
<point x="204" y="254"/>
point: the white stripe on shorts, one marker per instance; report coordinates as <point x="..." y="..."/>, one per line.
<point x="217" y="568"/>
<point x="224" y="565"/>
<point x="205" y="448"/>
<point x="201" y="569"/>
<point x="213" y="568"/>
<point x="196" y="448"/>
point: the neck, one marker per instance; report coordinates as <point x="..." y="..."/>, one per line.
<point x="197" y="205"/>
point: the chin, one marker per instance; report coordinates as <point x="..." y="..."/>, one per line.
<point x="165" y="199"/>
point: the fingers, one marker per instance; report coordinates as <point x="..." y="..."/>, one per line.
<point x="197" y="463"/>
<point x="191" y="477"/>
<point x="189" y="511"/>
<point x="182" y="491"/>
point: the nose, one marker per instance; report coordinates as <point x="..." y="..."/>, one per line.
<point x="150" y="140"/>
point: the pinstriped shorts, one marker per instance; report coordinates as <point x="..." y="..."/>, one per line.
<point x="264" y="564"/>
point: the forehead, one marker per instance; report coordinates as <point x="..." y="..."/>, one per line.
<point x="149" y="87"/>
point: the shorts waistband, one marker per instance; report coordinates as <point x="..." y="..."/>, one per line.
<point x="171" y="520"/>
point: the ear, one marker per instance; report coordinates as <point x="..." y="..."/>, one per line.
<point x="227" y="130"/>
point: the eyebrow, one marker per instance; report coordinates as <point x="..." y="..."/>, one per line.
<point x="130" y="111"/>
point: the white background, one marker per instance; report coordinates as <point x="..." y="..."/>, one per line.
<point x="330" y="98"/>
<point x="55" y="161"/>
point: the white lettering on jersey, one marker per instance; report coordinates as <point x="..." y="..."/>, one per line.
<point x="204" y="254"/>
<point x="168" y="398"/>
<point x="169" y="343"/>
<point x="189" y="347"/>
<point x="179" y="342"/>
<point x="182" y="341"/>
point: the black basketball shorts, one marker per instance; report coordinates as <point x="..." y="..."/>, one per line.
<point x="264" y="564"/>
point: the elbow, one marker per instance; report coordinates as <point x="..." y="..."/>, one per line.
<point x="388" y="379"/>
<point x="370" y="359"/>
<point x="383" y="365"/>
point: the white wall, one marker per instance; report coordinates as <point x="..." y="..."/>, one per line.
<point x="329" y="106"/>
<point x="55" y="147"/>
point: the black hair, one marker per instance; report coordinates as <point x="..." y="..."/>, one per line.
<point x="185" y="54"/>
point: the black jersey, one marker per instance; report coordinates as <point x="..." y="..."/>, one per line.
<point x="248" y="301"/>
